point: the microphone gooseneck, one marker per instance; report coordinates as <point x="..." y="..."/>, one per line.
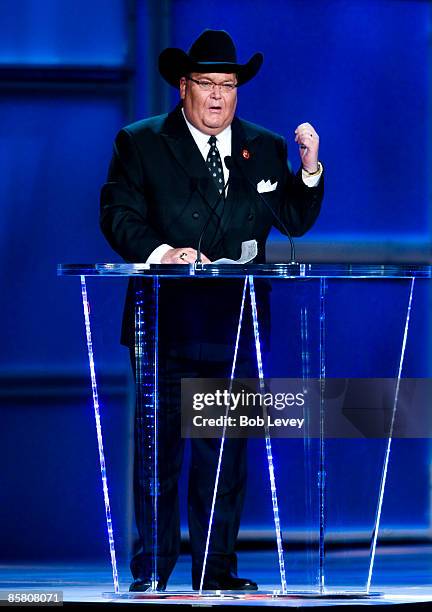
<point x="232" y="162"/>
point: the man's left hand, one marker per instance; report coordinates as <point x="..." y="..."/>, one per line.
<point x="308" y="141"/>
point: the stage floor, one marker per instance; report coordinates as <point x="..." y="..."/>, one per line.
<point x="402" y="575"/>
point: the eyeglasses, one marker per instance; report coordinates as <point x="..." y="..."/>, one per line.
<point x="207" y="85"/>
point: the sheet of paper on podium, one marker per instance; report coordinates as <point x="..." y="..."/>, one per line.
<point x="249" y="250"/>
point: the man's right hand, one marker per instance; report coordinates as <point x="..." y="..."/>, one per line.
<point x="184" y="255"/>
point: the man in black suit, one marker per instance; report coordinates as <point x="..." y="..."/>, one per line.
<point x="167" y="182"/>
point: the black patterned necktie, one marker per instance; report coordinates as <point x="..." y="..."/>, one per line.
<point x="214" y="164"/>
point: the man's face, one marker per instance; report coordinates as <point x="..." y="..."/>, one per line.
<point x="209" y="111"/>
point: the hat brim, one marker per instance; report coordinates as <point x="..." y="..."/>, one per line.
<point x="175" y="63"/>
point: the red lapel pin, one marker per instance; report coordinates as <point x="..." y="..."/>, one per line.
<point x="245" y="154"/>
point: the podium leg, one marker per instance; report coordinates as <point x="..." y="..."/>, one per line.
<point x="222" y="442"/>
<point x="268" y="445"/>
<point x="389" y="441"/>
<point x="96" y="408"/>
<point x="307" y="446"/>
<point x="322" y="465"/>
<point x="146" y="385"/>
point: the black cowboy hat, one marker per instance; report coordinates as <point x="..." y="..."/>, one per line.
<point x="213" y="51"/>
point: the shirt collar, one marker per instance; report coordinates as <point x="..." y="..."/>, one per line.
<point x="223" y="139"/>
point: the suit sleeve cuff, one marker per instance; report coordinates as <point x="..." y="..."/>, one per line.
<point x="312" y="181"/>
<point x="155" y="256"/>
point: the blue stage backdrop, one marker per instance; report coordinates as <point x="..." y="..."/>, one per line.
<point x="74" y="72"/>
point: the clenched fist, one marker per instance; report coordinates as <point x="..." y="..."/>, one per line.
<point x="308" y="141"/>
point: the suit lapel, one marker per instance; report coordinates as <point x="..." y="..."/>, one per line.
<point x="244" y="147"/>
<point x="183" y="147"/>
<point x="239" y="192"/>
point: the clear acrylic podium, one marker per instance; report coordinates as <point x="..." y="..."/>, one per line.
<point x="318" y="493"/>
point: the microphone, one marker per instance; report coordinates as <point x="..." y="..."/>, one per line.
<point x="230" y="163"/>
<point x="213" y="210"/>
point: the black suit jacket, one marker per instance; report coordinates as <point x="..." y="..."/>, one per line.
<point x="159" y="191"/>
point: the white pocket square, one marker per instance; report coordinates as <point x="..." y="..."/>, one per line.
<point x="265" y="186"/>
